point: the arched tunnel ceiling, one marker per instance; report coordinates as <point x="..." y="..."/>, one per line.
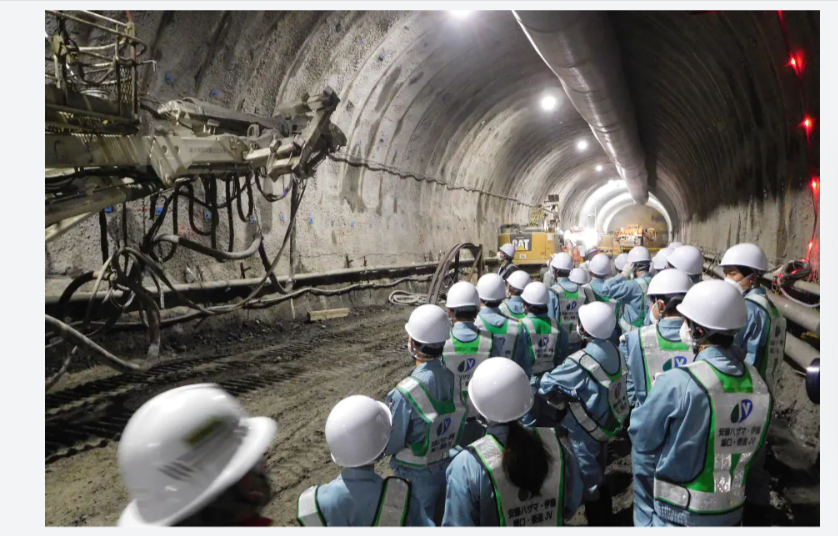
<point x="458" y="99"/>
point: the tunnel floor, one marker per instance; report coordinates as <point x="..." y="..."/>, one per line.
<point x="296" y="377"/>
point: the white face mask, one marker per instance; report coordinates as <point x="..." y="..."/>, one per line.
<point x="653" y="317"/>
<point x="735" y="284"/>
<point x="686" y="335"/>
<point x="500" y="256"/>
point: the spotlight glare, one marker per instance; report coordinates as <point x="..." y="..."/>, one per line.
<point x="582" y="145"/>
<point x="599" y="167"/>
<point x="459" y="13"/>
<point x="548" y="102"/>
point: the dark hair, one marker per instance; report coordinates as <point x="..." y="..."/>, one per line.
<point x="525" y="459"/>
<point x="562" y="273"/>
<point x="722" y="340"/>
<point x="430" y="350"/>
<point x="745" y="270"/>
<point x="536" y="309"/>
<point x="464" y="314"/>
<point x="643" y="266"/>
<point x="669" y="301"/>
<point x="493" y="303"/>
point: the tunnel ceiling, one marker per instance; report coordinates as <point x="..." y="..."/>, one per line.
<point x="458" y="99"/>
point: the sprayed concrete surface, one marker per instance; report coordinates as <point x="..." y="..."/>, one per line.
<point x="323" y="363"/>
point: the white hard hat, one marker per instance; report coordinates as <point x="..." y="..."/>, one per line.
<point x="620" y="261"/>
<point x="463" y="294"/>
<point x="357" y="431"/>
<point x="598" y="319"/>
<point x="688" y="259"/>
<point x="519" y="280"/>
<point x="185" y="447"/>
<point x="500" y="390"/>
<point x="428" y="324"/>
<point x="508" y="250"/>
<point x="579" y="276"/>
<point x="562" y="261"/>
<point x="748" y="255"/>
<point x="491" y="288"/>
<point x="600" y="265"/>
<point x="715" y="305"/>
<point x="669" y="282"/>
<point x="639" y="254"/>
<point x="674" y="245"/>
<point x="536" y="293"/>
<point x="659" y="260"/>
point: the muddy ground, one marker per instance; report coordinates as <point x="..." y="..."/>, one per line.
<point x="304" y="370"/>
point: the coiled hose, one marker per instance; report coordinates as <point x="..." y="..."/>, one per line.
<point x="403" y="297"/>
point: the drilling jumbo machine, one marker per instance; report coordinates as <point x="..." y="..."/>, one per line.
<point x="108" y="144"/>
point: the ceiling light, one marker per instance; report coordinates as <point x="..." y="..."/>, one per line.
<point x="599" y="167"/>
<point x="548" y="102"/>
<point x="582" y="145"/>
<point x="459" y="13"/>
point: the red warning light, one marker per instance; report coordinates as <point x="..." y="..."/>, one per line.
<point x="815" y="184"/>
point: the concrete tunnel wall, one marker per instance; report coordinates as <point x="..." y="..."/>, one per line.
<point x="718" y="113"/>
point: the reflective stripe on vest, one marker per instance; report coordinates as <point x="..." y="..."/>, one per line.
<point x="544" y="342"/>
<point x="618" y="405"/>
<point x="308" y="513"/>
<point x="638" y="322"/>
<point x="569" y="304"/>
<point x="660" y="355"/>
<point x="393" y="504"/>
<point x="739" y="416"/>
<point x="518" y="507"/>
<point x="506" y="334"/>
<point x="775" y="347"/>
<point x="504" y="308"/>
<point x="462" y="359"/>
<point x="445" y="426"/>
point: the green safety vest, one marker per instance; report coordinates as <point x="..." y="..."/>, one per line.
<point x="462" y="359"/>
<point x="544" y="342"/>
<point x="391" y="511"/>
<point x="569" y="305"/>
<point x="740" y="411"/>
<point x="592" y="295"/>
<point x="615" y="385"/>
<point x="445" y="425"/>
<point x="506" y="335"/>
<point x="639" y="321"/>
<point x="660" y="355"/>
<point x="517" y="507"/>
<point x="776" y="341"/>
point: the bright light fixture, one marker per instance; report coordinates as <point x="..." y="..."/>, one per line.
<point x="582" y="145"/>
<point x="459" y="13"/>
<point x="548" y="102"/>
<point x="599" y="167"/>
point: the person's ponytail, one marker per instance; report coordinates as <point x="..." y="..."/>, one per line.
<point x="525" y="459"/>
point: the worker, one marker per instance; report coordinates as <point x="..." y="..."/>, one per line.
<point x="649" y="352"/>
<point x="688" y="259"/>
<point x="630" y="288"/>
<point x="620" y="263"/>
<point x="547" y="276"/>
<point x="763" y="340"/>
<point x="601" y="269"/>
<point x="513" y="306"/>
<point x="508" y="333"/>
<point x="192" y="456"/>
<point x="427" y="422"/>
<point x="565" y="298"/>
<point x="506" y="255"/>
<point x="549" y="343"/>
<point x="764" y="337"/>
<point x="357" y="431"/>
<point x="513" y="476"/>
<point x="465" y="349"/>
<point x="591" y="382"/>
<point x="659" y="264"/>
<point x="674" y="245"/>
<point x="702" y="424"/>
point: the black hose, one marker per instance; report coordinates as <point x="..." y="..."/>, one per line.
<point x="217" y="254"/>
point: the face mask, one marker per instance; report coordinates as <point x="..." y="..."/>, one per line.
<point x="686" y="335"/>
<point x="735" y="284"/>
<point x="500" y="256"/>
<point x="653" y="317"/>
<point x="581" y="333"/>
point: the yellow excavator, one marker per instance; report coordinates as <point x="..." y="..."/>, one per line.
<point x="537" y="241"/>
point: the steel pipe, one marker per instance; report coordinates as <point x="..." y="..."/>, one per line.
<point x="802" y="286"/>
<point x="801" y="353"/>
<point x="582" y="51"/>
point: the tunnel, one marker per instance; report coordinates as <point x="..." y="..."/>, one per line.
<point x="448" y="125"/>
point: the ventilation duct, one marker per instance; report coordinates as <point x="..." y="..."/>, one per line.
<point x="582" y="51"/>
